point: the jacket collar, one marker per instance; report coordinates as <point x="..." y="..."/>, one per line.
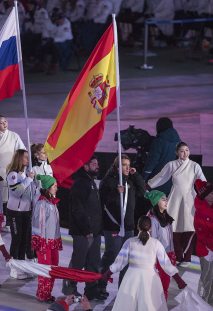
<point x="51" y="200"/>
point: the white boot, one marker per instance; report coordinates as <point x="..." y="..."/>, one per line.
<point x="14" y="272"/>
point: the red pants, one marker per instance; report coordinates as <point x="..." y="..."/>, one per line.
<point x="45" y="285"/>
<point x="181" y="240"/>
<point x="165" y="278"/>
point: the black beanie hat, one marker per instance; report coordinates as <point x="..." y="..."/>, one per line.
<point x="163" y="124"/>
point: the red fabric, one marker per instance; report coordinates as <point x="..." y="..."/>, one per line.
<point x="9" y="81"/>
<point x="203" y="188"/>
<point x="64" y="304"/>
<point x="165" y="278"/>
<point x="181" y="240"/>
<point x="102" y="49"/>
<point x="180" y="282"/>
<point x="5" y="252"/>
<point x="203" y="223"/>
<point x="45" y="285"/>
<point x="82" y="150"/>
<point x="39" y="244"/>
<point x="75" y="275"/>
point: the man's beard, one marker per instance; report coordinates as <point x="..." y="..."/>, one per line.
<point x="93" y="173"/>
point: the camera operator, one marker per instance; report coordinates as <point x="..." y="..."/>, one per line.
<point x="110" y="200"/>
<point x="162" y="151"/>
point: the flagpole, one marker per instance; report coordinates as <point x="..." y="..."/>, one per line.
<point x="121" y="233"/>
<point x="21" y="75"/>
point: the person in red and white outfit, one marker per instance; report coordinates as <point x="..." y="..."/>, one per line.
<point x="162" y="231"/>
<point x="46" y="237"/>
<point x="203" y="223"/>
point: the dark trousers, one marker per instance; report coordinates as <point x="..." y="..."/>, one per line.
<point x="181" y="240"/>
<point x="20" y="229"/>
<point x="113" y="245"/>
<point x="86" y="254"/>
<point x="65" y="51"/>
<point x="5" y="214"/>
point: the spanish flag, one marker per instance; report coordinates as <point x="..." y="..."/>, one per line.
<point x="80" y="123"/>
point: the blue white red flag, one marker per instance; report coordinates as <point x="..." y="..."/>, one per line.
<point x="9" y="59"/>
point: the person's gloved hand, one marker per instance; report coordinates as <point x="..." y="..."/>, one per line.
<point x="106" y="276"/>
<point x="180" y="282"/>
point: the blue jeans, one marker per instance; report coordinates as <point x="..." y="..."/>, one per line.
<point x="113" y="245"/>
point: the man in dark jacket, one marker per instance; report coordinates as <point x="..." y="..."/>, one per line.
<point x="85" y="227"/>
<point x="110" y="199"/>
<point x="162" y="151"/>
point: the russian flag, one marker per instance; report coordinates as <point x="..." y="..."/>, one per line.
<point x="9" y="60"/>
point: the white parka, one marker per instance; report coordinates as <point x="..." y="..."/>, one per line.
<point x="19" y="192"/>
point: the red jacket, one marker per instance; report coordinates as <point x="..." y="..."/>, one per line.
<point x="203" y="223"/>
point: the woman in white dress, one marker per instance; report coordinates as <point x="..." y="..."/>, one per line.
<point x="141" y="287"/>
<point x="180" y="207"/>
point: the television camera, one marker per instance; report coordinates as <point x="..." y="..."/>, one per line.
<point x="137" y="139"/>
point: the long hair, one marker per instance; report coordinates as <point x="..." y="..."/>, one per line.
<point x="16" y="164"/>
<point x="115" y="164"/>
<point x="144" y="224"/>
<point x="35" y="148"/>
<point x="163" y="218"/>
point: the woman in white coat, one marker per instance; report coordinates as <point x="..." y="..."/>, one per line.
<point x="180" y="207"/>
<point x="141" y="287"/>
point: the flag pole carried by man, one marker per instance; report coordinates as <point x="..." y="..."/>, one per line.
<point x="80" y="123"/>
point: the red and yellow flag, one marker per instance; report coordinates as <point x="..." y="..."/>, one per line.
<point x="80" y="123"/>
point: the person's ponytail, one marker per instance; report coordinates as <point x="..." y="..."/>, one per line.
<point x="144" y="224"/>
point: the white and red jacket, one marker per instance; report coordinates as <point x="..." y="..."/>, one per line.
<point x="45" y="225"/>
<point x="19" y="191"/>
<point x="203" y="223"/>
<point x="162" y="234"/>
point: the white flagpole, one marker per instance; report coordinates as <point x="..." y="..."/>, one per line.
<point x="122" y="232"/>
<point x="21" y="75"/>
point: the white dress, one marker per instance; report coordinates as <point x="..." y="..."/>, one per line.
<point x="181" y="198"/>
<point x="141" y="288"/>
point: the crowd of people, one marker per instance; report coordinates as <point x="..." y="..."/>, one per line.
<point x="53" y="30"/>
<point x="167" y="234"/>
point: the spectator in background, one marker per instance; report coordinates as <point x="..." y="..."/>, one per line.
<point x="9" y="143"/>
<point x="74" y="10"/>
<point x="162" y="151"/>
<point x="63" y="38"/>
<point x="161" y="10"/>
<point x="6" y="7"/>
<point x="133" y="186"/>
<point x="50" y="5"/>
<point x="85" y="227"/>
<point x="32" y="34"/>
<point x="96" y="22"/>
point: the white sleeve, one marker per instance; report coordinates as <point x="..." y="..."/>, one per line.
<point x="164" y="260"/>
<point x="18" y="187"/>
<point x="155" y="228"/>
<point x="18" y="143"/>
<point x="199" y="173"/>
<point x="122" y="259"/>
<point x="162" y="177"/>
